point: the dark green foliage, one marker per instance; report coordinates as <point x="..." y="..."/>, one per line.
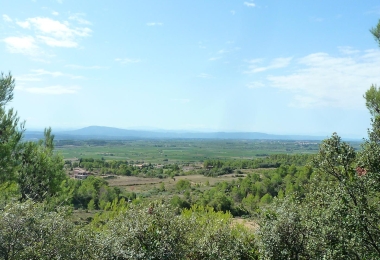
<point x="339" y="217"/>
<point x="156" y="232"/>
<point x="94" y="191"/>
<point x="272" y="161"/>
<point x="372" y="98"/>
<point x="183" y="185"/>
<point x="41" y="172"/>
<point x="376" y="32"/>
<point x="29" y="231"/>
<point x="246" y="195"/>
<point x="10" y="132"/>
<point x="282" y="235"/>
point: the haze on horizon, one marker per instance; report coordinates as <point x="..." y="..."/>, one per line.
<point x="285" y="67"/>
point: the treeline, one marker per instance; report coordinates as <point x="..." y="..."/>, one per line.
<point x="92" y="193"/>
<point x="125" y="168"/>
<point x="245" y="196"/>
<point x="210" y="167"/>
<point x="271" y="161"/>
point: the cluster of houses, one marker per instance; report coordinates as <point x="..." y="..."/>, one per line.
<point x="80" y="174"/>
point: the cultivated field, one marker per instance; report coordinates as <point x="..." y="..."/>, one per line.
<point x="181" y="151"/>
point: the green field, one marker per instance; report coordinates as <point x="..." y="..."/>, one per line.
<point x="158" y="151"/>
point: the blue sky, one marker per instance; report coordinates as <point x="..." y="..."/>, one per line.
<point x="284" y="67"/>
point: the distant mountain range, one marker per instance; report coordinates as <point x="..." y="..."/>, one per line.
<point x="111" y="133"/>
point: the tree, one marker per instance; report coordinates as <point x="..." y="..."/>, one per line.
<point x="339" y="217"/>
<point x="11" y="131"/>
<point x="33" y="166"/>
<point x="41" y="172"/>
<point x="376" y="32"/>
<point x="28" y="231"/>
<point x="372" y="97"/>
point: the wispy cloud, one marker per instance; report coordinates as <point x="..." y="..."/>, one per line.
<point x="214" y="58"/>
<point x="332" y="81"/>
<point x="6" y="18"/>
<point x="27" y="78"/>
<point x="42" y="72"/>
<point x="95" y="67"/>
<point x="127" y="60"/>
<point x="233" y="12"/>
<point x="347" y="50"/>
<point x="249" y="4"/>
<point x="255" y="84"/>
<point x="25" y="24"/>
<point x="204" y="76"/>
<point x="201" y="45"/>
<point x="375" y="10"/>
<point x="38" y="74"/>
<point x="25" y="45"/>
<point x="52" y="90"/>
<point x="275" y="64"/>
<point x="154" y="24"/>
<point x="55" y="13"/>
<point x="45" y="31"/>
<point x="79" y="17"/>
<point x="57" y="34"/>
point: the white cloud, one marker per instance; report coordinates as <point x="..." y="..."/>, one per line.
<point x="45" y="72"/>
<point x="38" y="74"/>
<point x="52" y="90"/>
<point x="275" y="64"/>
<point x="53" y="42"/>
<point x="214" y="58"/>
<point x="154" y="24"/>
<point x="78" y="17"/>
<point x="24" y="45"/>
<point x="55" y="33"/>
<point x="95" y="67"/>
<point x="347" y="50"/>
<point x="25" y="25"/>
<point x="6" y="18"/>
<point x="41" y="72"/>
<point x="55" y="13"/>
<point x="58" y="29"/>
<point x="325" y="80"/>
<point x="255" y="84"/>
<point x="127" y="60"/>
<point x="249" y="4"/>
<point x="27" y="78"/>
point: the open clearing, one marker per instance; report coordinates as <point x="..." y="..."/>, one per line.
<point x="136" y="184"/>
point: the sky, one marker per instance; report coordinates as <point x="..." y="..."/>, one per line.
<point x="279" y="67"/>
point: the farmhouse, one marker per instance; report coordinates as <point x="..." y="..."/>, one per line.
<point x="80" y="174"/>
